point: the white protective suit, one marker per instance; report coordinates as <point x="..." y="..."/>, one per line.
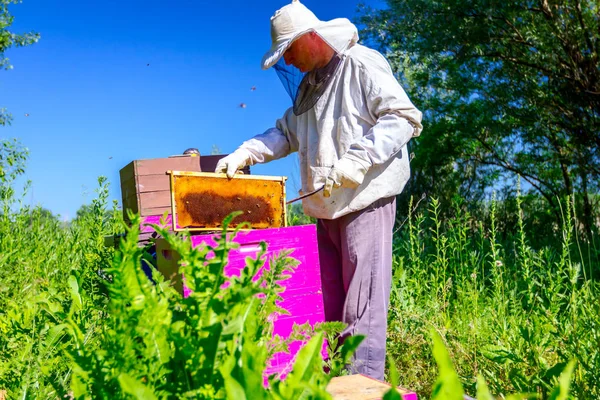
<point x="364" y="116"/>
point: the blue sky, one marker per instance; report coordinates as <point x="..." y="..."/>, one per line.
<point x="95" y="105"/>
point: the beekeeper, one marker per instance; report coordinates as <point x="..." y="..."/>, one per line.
<point x="350" y="123"/>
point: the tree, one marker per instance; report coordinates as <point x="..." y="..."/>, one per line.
<point x="9" y="39"/>
<point x="508" y="88"/>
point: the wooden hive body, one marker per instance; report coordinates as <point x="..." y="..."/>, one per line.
<point x="145" y="186"/>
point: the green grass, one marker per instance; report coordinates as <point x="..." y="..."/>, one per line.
<point x="506" y="311"/>
<point x="79" y="320"/>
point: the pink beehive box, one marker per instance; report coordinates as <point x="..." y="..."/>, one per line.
<point x="302" y="296"/>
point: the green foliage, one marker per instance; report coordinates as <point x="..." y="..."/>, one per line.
<point x="509" y="312"/>
<point x="296" y="216"/>
<point x="339" y="352"/>
<point x="13" y="157"/>
<point x="37" y="256"/>
<point x="212" y="344"/>
<point x="508" y="88"/>
<point x="393" y="393"/>
<point x="561" y="391"/>
<point x="9" y="39"/>
<point x="447" y="386"/>
<point x="78" y="320"/>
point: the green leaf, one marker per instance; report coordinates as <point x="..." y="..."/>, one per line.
<point x="483" y="392"/>
<point x="561" y="391"/>
<point x="135" y="388"/>
<point x="234" y="326"/>
<point x="55" y="333"/>
<point x="77" y="304"/>
<point x="394" y="375"/>
<point x="349" y="347"/>
<point x="307" y="360"/>
<point x="447" y="386"/>
<point x="234" y="389"/>
<point x="393" y="393"/>
<point x="499" y="355"/>
<point x="78" y="387"/>
<point x="522" y="396"/>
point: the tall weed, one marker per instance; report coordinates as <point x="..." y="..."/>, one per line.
<point x="81" y="320"/>
<point x="513" y="314"/>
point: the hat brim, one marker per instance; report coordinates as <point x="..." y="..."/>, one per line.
<point x="276" y="51"/>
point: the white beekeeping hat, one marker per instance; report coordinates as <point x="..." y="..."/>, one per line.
<point x="293" y="20"/>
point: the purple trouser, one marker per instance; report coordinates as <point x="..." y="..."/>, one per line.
<point x="355" y="253"/>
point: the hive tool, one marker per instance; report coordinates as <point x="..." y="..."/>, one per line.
<point x="305" y="195"/>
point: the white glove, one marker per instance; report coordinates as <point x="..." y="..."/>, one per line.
<point x="348" y="172"/>
<point x="233" y="162"/>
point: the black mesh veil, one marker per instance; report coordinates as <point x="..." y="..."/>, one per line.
<point x="289" y="76"/>
<point x="305" y="89"/>
<point x="313" y="86"/>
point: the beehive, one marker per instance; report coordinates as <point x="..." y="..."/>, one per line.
<point x="302" y="297"/>
<point x="145" y="184"/>
<point x="200" y="201"/>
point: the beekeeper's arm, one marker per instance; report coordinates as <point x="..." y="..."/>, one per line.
<point x="397" y="121"/>
<point x="275" y="143"/>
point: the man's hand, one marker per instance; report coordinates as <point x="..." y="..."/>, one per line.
<point x="347" y="172"/>
<point x="232" y="163"/>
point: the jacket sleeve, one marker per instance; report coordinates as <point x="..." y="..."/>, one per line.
<point x="274" y="143"/>
<point x="397" y="120"/>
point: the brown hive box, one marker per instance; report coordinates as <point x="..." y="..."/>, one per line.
<point x="145" y="183"/>
<point x="200" y="201"/>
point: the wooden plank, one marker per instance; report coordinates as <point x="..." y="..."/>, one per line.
<point x="159" y="166"/>
<point x="154" y="211"/>
<point x="149" y="175"/>
<point x="148" y="200"/>
<point x="361" y="387"/>
<point x="241" y="176"/>
<point x="158" y="199"/>
<point x="131" y="203"/>
<point x="152" y="183"/>
<point x="146" y="212"/>
<point x="127" y="172"/>
<point x="128" y="188"/>
<point x="304" y="305"/>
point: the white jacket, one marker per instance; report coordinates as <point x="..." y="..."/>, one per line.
<point x="364" y="112"/>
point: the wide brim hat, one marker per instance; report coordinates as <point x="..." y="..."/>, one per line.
<point x="294" y="20"/>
